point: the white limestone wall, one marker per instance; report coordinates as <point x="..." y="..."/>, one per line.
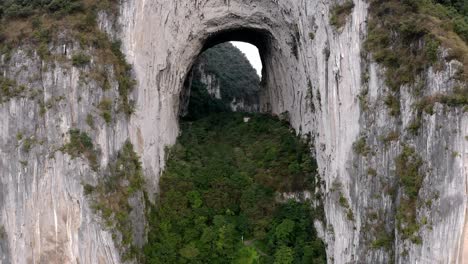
<point x="43" y="210"/>
<point x="163" y="38"/>
<point x="42" y="206"/>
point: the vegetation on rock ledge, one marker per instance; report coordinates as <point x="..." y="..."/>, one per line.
<point x="9" y="89"/>
<point x="404" y="36"/>
<point x="111" y="198"/>
<point x="408" y="169"/>
<point x="41" y="24"/>
<point x="81" y="144"/>
<point x="340" y="12"/>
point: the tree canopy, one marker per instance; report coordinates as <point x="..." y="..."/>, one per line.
<point x="219" y="198"/>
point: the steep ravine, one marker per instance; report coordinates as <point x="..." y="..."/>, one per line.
<point x="316" y="75"/>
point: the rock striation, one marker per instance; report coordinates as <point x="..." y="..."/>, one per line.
<point x="315" y="75"/>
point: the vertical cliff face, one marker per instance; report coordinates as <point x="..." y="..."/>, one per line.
<point x="317" y="76"/>
<point x="211" y="82"/>
<point x="47" y="94"/>
<point x="43" y="209"/>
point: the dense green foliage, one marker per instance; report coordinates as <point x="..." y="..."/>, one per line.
<point x="201" y="103"/>
<point x="26" y="8"/>
<point x="453" y="12"/>
<point x="461" y="6"/>
<point x="111" y="197"/>
<point x="80" y="59"/>
<point x="383" y="240"/>
<point x="237" y="80"/>
<point x="218" y="199"/>
<point x="238" y="77"/>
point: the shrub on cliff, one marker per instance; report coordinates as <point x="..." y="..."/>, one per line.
<point x="81" y="144"/>
<point x="80" y="59"/>
<point x="339" y="13"/>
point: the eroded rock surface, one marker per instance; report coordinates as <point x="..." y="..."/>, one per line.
<point x="313" y="75"/>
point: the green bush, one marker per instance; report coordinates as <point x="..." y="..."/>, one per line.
<point x="17" y="11"/>
<point x="90" y="121"/>
<point x="81" y="145"/>
<point x="80" y="60"/>
<point x="383" y="240"/>
<point x="371" y="172"/>
<point x="457" y="98"/>
<point x="106" y="109"/>
<point x="124" y="78"/>
<point x="393" y="104"/>
<point x="3" y="233"/>
<point x="88" y="189"/>
<point x="202" y="104"/>
<point x="64" y="6"/>
<point x="343" y="201"/>
<point x="339" y="13"/>
<point x="408" y="169"/>
<point x="390" y="137"/>
<point x="28" y="143"/>
<point x="415" y="124"/>
<point x="111" y="198"/>
<point x="10" y="89"/>
<point x="360" y="147"/>
<point x="408" y="165"/>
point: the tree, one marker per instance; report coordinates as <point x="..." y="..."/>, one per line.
<point x="284" y="255"/>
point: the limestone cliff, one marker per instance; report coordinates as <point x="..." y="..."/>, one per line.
<point x="317" y="75"/>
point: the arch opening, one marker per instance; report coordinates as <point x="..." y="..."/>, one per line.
<point x="260" y="38"/>
<point x="245" y="169"/>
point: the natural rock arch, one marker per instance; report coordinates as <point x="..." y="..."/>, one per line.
<point x="258" y="34"/>
<point x="260" y="38"/>
<point x="314" y="72"/>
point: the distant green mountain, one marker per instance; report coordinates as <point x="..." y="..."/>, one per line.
<point x="237" y="79"/>
<point x="237" y="76"/>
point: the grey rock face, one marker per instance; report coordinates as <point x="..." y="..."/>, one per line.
<point x="212" y="83"/>
<point x="213" y="87"/>
<point x="315" y="82"/>
<point x="43" y="210"/>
